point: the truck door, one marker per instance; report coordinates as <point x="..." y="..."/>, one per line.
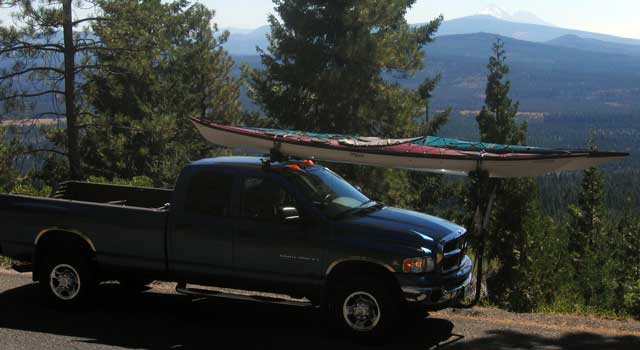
<point x="202" y="239"/>
<point x="268" y="244"/>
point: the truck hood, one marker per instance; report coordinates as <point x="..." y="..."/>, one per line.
<point x="403" y="225"/>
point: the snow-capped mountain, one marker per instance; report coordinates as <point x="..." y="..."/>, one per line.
<point x="518" y="16"/>
<point x="495" y="11"/>
<point x="528" y="17"/>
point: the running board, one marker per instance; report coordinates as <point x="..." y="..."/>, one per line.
<point x="182" y="289"/>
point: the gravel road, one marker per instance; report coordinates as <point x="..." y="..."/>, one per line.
<point x="160" y="319"/>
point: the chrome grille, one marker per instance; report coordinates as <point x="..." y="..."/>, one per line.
<point x="454" y="250"/>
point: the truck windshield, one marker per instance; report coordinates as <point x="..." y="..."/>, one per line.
<point x="329" y="191"/>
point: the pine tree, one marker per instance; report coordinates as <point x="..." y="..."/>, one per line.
<point x="174" y="67"/>
<point x="627" y="261"/>
<point x="497" y="119"/>
<point x="515" y="204"/>
<point x="323" y="73"/>
<point x="323" y="69"/>
<point x="588" y="215"/>
<point x="432" y="193"/>
<point x="432" y="123"/>
<point x="589" y="243"/>
<point x="10" y="148"/>
<point x="47" y="49"/>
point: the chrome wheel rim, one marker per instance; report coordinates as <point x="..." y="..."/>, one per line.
<point x="361" y="311"/>
<point x="64" y="282"/>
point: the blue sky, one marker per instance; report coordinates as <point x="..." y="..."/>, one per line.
<point x="615" y="17"/>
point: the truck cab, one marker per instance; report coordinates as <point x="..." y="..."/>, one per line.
<point x="298" y="228"/>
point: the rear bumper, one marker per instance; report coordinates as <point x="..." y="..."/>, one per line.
<point x="432" y="296"/>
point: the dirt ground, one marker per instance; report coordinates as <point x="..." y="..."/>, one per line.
<point x="160" y="319"/>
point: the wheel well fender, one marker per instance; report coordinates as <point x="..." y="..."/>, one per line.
<point x="347" y="270"/>
<point x="69" y="241"/>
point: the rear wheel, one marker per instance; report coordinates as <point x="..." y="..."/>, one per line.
<point x="364" y="308"/>
<point x="66" y="279"/>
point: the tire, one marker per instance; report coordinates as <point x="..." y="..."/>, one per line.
<point x="363" y="309"/>
<point x="66" y="279"/>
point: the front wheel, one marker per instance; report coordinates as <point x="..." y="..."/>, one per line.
<point x="66" y="280"/>
<point x="364" y="309"/>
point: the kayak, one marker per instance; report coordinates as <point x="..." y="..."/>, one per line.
<point x="427" y="153"/>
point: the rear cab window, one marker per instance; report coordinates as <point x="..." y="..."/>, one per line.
<point x="209" y="193"/>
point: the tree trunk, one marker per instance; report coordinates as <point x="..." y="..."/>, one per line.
<point x="69" y="92"/>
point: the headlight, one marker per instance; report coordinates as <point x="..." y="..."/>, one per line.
<point x="418" y="265"/>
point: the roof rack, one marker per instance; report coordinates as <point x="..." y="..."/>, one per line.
<point x="275" y="156"/>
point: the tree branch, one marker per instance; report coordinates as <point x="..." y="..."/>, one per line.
<point x="74" y="23"/>
<point x="38" y="115"/>
<point x="23" y="45"/>
<point x="111" y="68"/>
<point x="33" y="69"/>
<point x="40" y="150"/>
<point x="89" y="114"/>
<point x="86" y="41"/>
<point x="95" y="47"/>
<point x="36" y="94"/>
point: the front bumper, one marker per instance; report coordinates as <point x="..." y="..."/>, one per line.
<point x="438" y="293"/>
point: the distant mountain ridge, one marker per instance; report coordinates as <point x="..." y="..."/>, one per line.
<point x="245" y="43"/>
<point x="577" y="42"/>
<point x="522" y="31"/>
<point x="545" y="78"/>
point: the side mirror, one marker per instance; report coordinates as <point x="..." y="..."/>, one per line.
<point x="289" y="213"/>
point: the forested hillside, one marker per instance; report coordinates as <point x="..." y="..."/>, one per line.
<point x="619" y="132"/>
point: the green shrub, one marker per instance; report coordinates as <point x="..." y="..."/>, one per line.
<point x="137" y="181"/>
<point x="632" y="299"/>
<point x="4" y="261"/>
<point x="28" y="188"/>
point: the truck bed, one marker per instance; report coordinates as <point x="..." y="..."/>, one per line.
<point x="143" y="197"/>
<point x="126" y="225"/>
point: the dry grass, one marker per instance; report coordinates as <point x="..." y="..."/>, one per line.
<point x="4" y="262"/>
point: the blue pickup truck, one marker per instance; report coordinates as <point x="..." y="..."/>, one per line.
<point x="293" y="227"/>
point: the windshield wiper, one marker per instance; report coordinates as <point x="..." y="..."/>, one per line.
<point x="360" y="208"/>
<point x="362" y="205"/>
